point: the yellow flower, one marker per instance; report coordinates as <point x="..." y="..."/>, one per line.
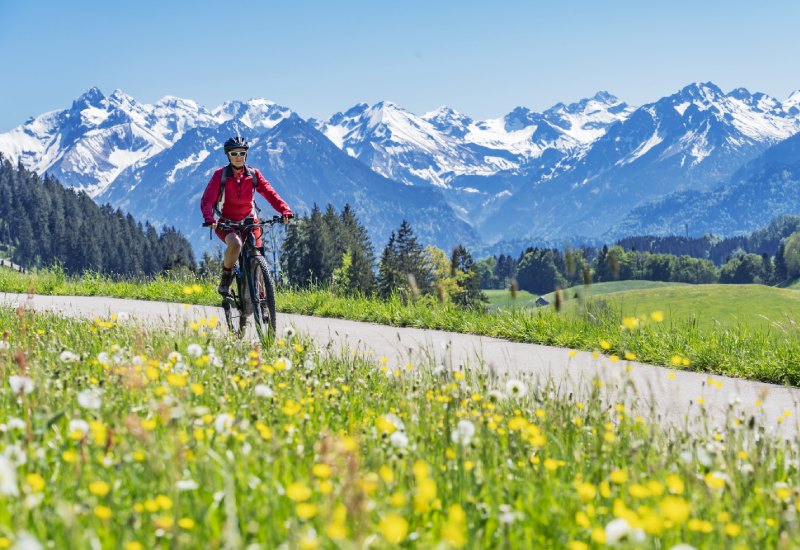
<point x="397" y="500"/>
<point x="733" y="529"/>
<point x="598" y="535"/>
<point x="619" y="476"/>
<point x="336" y="530"/>
<point x="675" y="509"/>
<point x="291" y="408"/>
<point x="134" y="545"/>
<point x="605" y="345"/>
<point x="325" y="487"/>
<point x="164" y="522"/>
<point x="385" y="426"/>
<point x="35" y="482"/>
<point x="630" y="356"/>
<point x="186" y="523"/>
<point x="577" y="545"/>
<point x="582" y="520"/>
<point x="714" y="480"/>
<point x="551" y="465"/>
<point x="197" y="389"/>
<point x="630" y="323"/>
<point x="177" y="380"/>
<point x="638" y="490"/>
<point x="322" y="471"/>
<point x="99" y="488"/>
<point x="164" y="502"/>
<point x="657" y="316"/>
<point x="453" y="534"/>
<point x="298" y="492"/>
<point x="586" y="491"/>
<point x="394" y="528"/>
<point x="386" y="474"/>
<point x="305" y="510"/>
<point x="102" y="512"/>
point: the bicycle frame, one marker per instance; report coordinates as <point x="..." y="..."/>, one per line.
<point x="243" y="273"/>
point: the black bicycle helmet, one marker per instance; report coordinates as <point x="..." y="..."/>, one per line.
<point x="237" y="142"/>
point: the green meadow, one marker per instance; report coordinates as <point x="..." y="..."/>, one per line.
<point x="116" y="436"/>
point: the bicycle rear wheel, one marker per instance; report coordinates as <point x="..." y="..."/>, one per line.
<point x="263" y="300"/>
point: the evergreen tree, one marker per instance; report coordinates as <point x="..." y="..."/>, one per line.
<point x="467" y="280"/>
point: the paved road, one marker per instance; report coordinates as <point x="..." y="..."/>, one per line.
<point x="670" y="396"/>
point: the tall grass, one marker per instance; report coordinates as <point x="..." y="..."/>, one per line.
<point x="117" y="436"/>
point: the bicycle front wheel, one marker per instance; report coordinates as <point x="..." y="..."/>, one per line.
<point x="263" y="298"/>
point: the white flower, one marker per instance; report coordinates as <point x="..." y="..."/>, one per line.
<point x="516" y="388"/>
<point x="395" y="420"/>
<point x="262" y="390"/>
<point x="687" y="457"/>
<point x="495" y="396"/>
<point x="399" y="439"/>
<point x="287" y="363"/>
<point x="308" y="364"/>
<point x="463" y="433"/>
<point x="704" y="458"/>
<point x="26" y="541"/>
<point x="619" y="530"/>
<point x="186" y="485"/>
<point x="194" y="350"/>
<point x="8" y="477"/>
<point x="746" y="468"/>
<point x="90" y="399"/>
<point x="16" y="424"/>
<point x="137" y="360"/>
<point x="16" y="455"/>
<point x="288" y="332"/>
<point x="4" y="344"/>
<point x="78" y="425"/>
<point x="507" y="515"/>
<point x="123" y="316"/>
<point x="439" y="370"/>
<point x="103" y="359"/>
<point x="223" y="423"/>
<point x="180" y="368"/>
<point x="174" y="357"/>
<point x="68" y="357"/>
<point x="683" y="546"/>
<point x="20" y="384"/>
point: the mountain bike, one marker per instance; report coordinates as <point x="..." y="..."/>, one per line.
<point x="254" y="290"/>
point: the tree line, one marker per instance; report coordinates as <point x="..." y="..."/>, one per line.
<point x="334" y="249"/>
<point x="768" y="256"/>
<point x="42" y="223"/>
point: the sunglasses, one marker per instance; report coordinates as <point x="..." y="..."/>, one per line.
<point x="238" y="153"/>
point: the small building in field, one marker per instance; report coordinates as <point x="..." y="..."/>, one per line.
<point x="542" y="301"/>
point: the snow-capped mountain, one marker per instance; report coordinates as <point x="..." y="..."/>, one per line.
<point x="405" y="147"/>
<point x="693" y="139"/>
<point x="442" y="145"/>
<point x="304" y="167"/>
<point x="570" y="171"/>
<point x="88" y="145"/>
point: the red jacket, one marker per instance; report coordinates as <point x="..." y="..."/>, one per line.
<point x="239" y="195"/>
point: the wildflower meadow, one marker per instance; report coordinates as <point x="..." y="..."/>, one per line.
<point x="117" y="436"/>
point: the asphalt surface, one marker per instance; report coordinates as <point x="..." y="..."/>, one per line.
<point x="677" y="399"/>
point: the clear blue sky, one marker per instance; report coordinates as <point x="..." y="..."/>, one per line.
<point x="319" y="57"/>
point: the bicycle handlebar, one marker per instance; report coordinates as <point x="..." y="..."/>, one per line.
<point x="243" y="225"/>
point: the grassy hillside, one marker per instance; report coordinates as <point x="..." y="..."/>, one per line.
<point x="502" y="298"/>
<point x="599" y="289"/>
<point x="753" y="306"/>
